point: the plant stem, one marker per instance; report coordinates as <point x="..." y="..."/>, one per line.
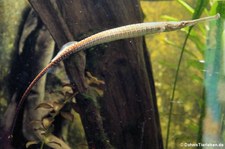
<point x="42" y="145"/>
<point x="174" y="87"/>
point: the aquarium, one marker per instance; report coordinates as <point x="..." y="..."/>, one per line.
<point x="116" y="74"/>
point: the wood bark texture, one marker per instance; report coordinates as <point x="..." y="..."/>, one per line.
<point x="128" y="106"/>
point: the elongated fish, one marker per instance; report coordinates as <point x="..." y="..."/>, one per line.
<point x="128" y="31"/>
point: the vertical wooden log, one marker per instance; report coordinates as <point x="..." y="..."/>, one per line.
<point x="129" y="104"/>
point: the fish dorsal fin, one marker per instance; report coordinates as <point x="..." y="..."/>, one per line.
<point x="63" y="48"/>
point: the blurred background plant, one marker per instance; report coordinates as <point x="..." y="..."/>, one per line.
<point x="178" y="61"/>
<point x="9" y="24"/>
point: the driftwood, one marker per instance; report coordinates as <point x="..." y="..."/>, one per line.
<point x="129" y="116"/>
<point x="129" y="104"/>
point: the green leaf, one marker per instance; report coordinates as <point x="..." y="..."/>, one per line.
<point x="34" y="122"/>
<point x="53" y="142"/>
<point x="47" y="122"/>
<point x="67" y="116"/>
<point x="188" y="7"/>
<point x="213" y="9"/>
<point x="57" y="106"/>
<point x="29" y="143"/>
<point x="69" y="95"/>
<point x="221" y="9"/>
<point x="44" y="105"/>
<point x="169" y="42"/>
<point x="196" y="64"/>
<point x="169" y="18"/>
<point x="193" y="127"/>
<point x="200" y="6"/>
